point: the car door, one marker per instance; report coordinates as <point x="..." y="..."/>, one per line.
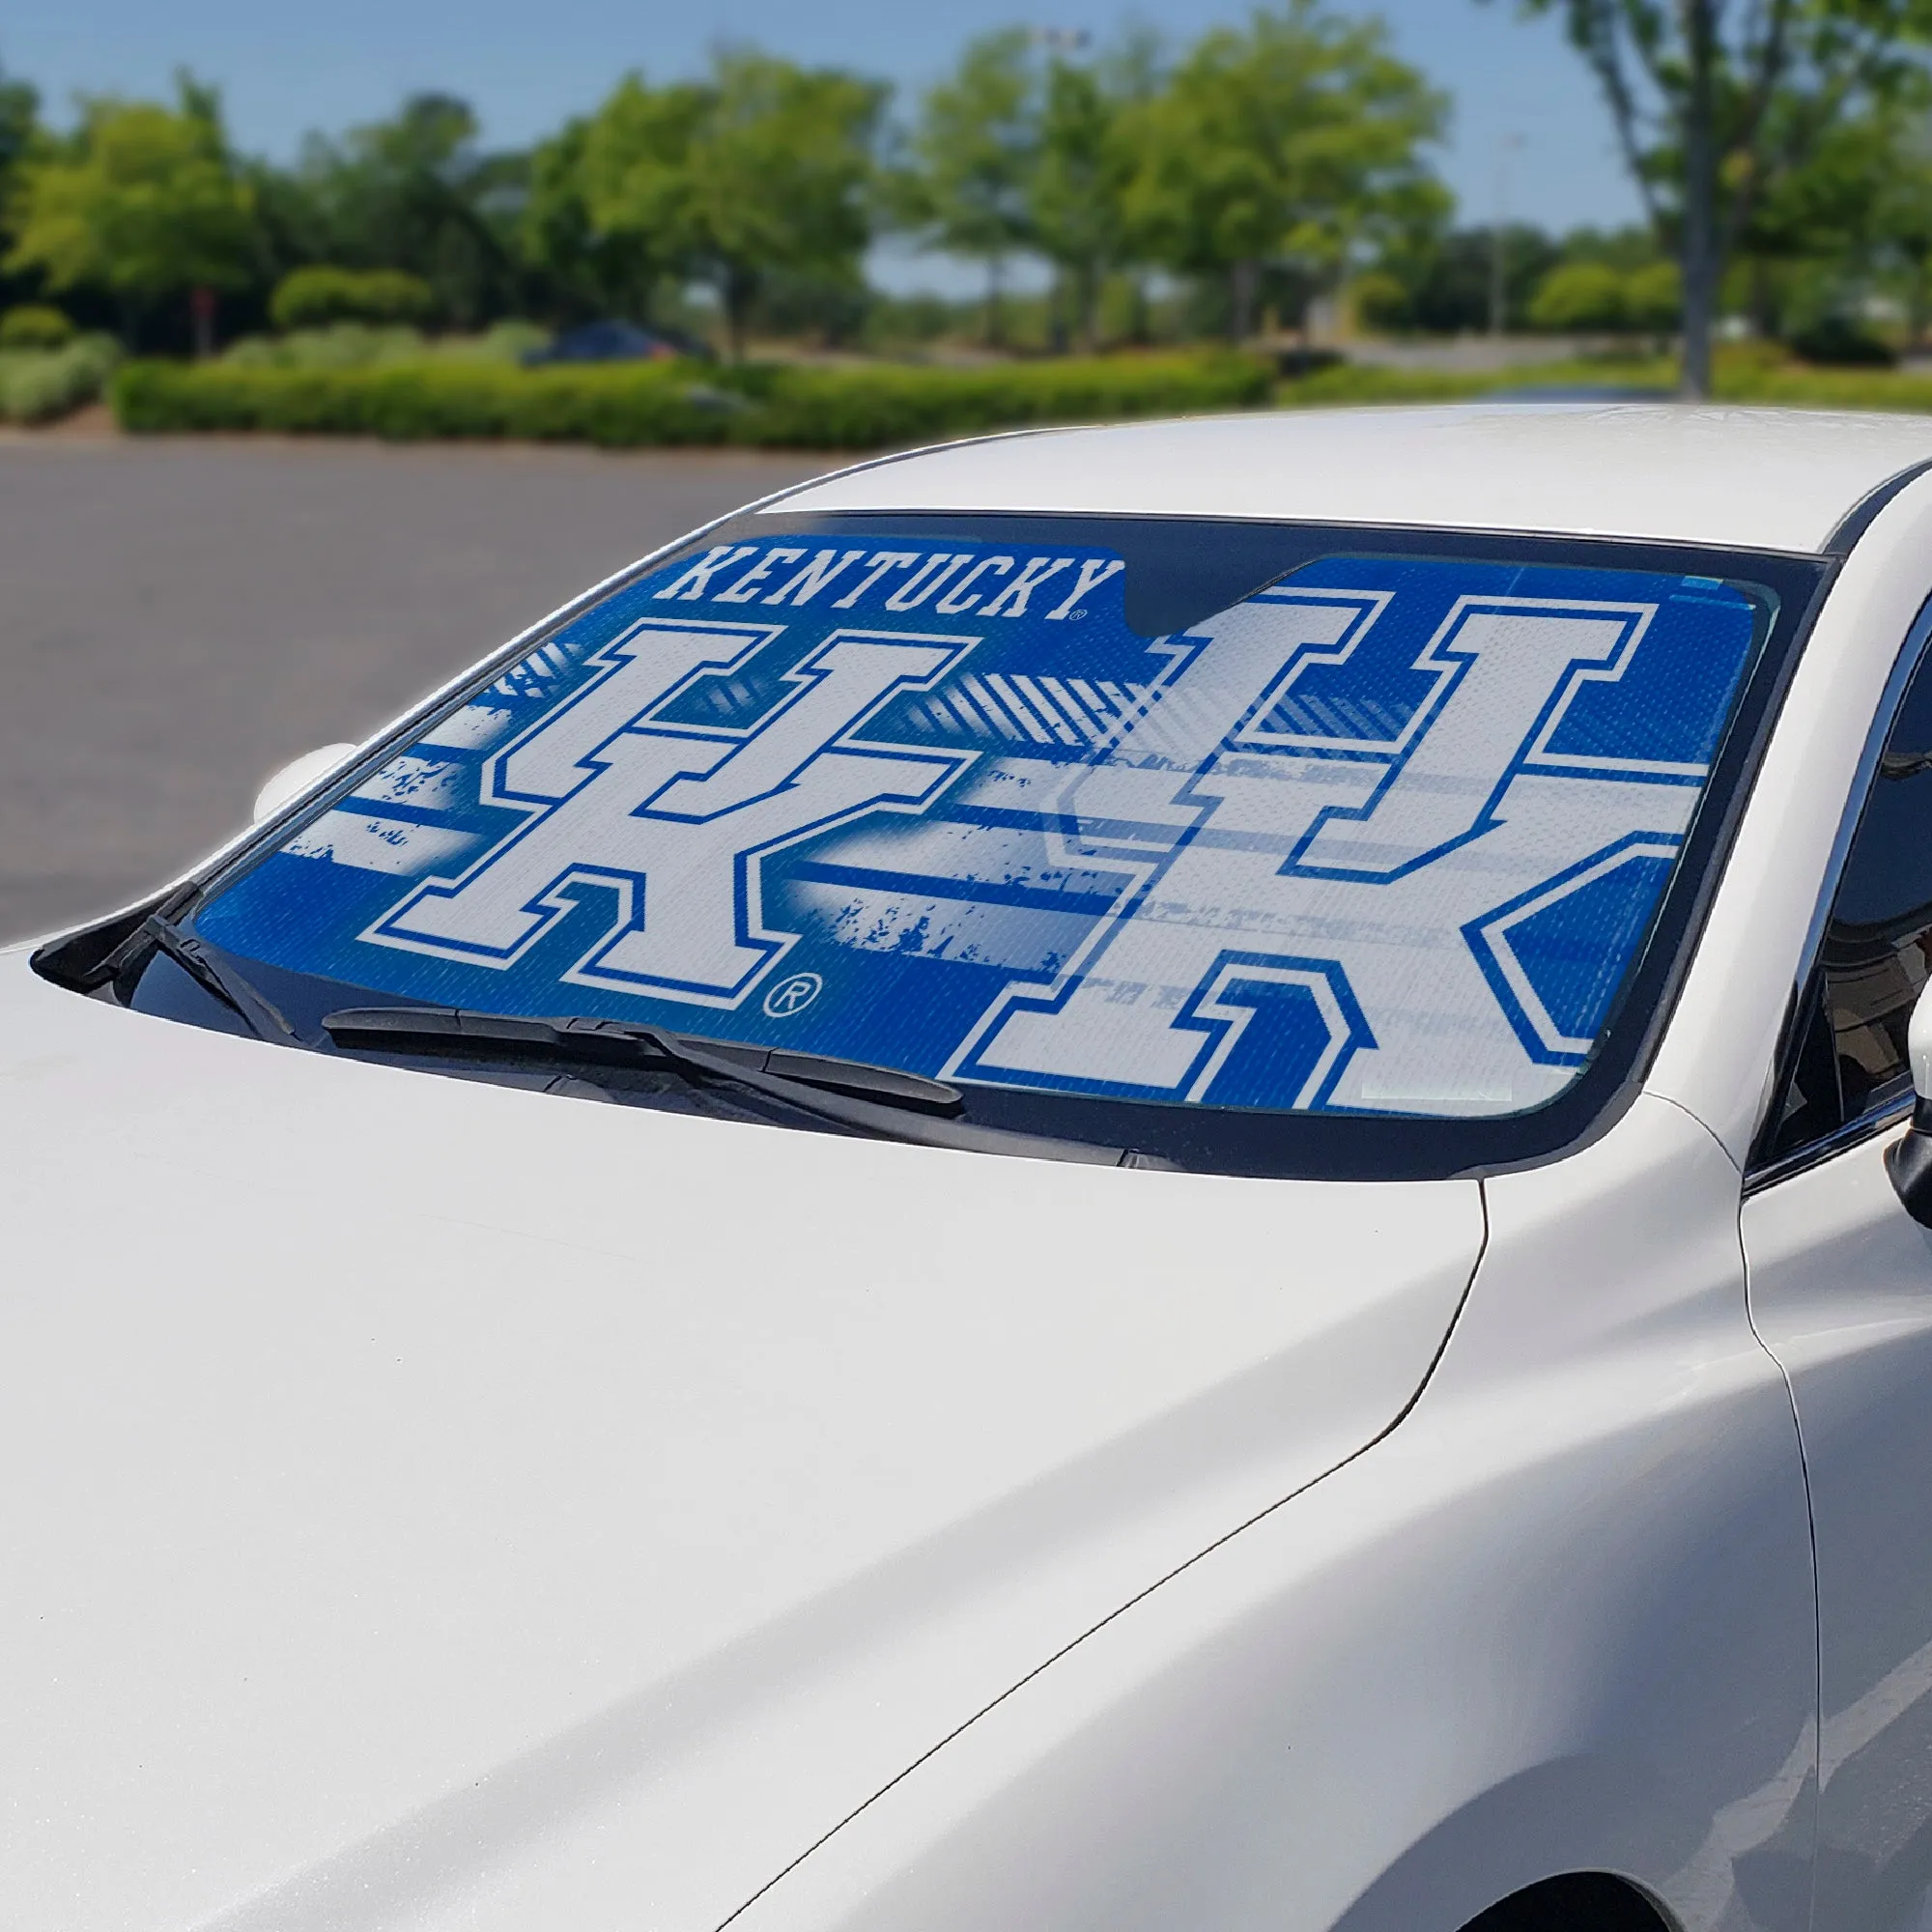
<point x="1840" y="1286"/>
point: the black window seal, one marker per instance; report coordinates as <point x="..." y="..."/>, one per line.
<point x="1890" y="1112"/>
<point x="1859" y="518"/>
<point x="1762" y="1171"/>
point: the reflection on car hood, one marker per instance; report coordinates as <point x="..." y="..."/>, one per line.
<point x="440" y="1504"/>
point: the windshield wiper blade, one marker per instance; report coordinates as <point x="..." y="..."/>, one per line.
<point x="879" y="1100"/>
<point x="599" y="1039"/>
<point x="205" y="966"/>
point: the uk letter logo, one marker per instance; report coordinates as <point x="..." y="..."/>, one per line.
<point x="1263" y="863"/>
<point x="674" y="819"/>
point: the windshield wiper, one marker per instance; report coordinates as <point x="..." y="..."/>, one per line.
<point x="205" y="967"/>
<point x="879" y="1100"/>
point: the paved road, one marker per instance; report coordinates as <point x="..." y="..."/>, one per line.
<point x="179" y="618"/>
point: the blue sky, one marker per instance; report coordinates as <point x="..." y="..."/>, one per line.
<point x="285" y="69"/>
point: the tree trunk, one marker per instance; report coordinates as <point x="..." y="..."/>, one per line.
<point x="1701" y="265"/>
<point x="1241" y="285"/>
<point x="1086" y="294"/>
<point x="739" y="289"/>
<point x="201" y="314"/>
<point x="1763" y="299"/>
<point x="996" y="319"/>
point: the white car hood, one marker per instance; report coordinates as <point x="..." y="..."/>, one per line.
<point x="432" y="1504"/>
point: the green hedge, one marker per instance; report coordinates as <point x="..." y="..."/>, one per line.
<point x="774" y="405"/>
<point x="361" y="345"/>
<point x="1352" y="383"/>
<point x="1752" y="374"/>
<point x="313" y="297"/>
<point x="1829" y="388"/>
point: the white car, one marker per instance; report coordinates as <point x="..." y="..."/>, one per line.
<point x="1120" y="1180"/>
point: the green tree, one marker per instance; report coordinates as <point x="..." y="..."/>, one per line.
<point x="143" y="200"/>
<point x="1294" y="138"/>
<point x="620" y="195"/>
<point x="19" y="129"/>
<point x="1580" y="296"/>
<point x="1856" y="217"/>
<point x="20" y="134"/>
<point x="1135" y="71"/>
<point x="314" y="298"/>
<point x="973" y="154"/>
<point x="1715" y="110"/>
<point x="764" y="169"/>
<point x="589" y="271"/>
<point x="1654" y="297"/>
<point x="1076" y="191"/>
<point x="1899" y="214"/>
<point x="418" y="192"/>
<point x="1446" y="276"/>
<point x="782" y="172"/>
<point x="1381" y="300"/>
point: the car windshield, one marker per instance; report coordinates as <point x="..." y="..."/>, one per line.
<point x="1270" y="848"/>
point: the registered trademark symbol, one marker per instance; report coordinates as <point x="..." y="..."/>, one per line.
<point x="792" y="996"/>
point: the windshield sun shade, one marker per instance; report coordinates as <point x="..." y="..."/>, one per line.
<point x="1372" y="831"/>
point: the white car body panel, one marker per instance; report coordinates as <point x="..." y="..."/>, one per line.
<point x="1767" y="479"/>
<point x="453" y="1506"/>
<point x="494" y="1536"/>
<point x="1841" y="1292"/>
<point x="1559" y="1619"/>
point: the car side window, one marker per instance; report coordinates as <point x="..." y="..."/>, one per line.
<point x="1846" y="1059"/>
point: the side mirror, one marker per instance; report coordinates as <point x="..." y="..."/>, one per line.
<point x="295" y="778"/>
<point x="1908" y="1161"/>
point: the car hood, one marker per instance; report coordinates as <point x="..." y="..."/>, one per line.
<point x="435" y="1504"/>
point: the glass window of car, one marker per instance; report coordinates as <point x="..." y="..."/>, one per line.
<point x="1266" y="848"/>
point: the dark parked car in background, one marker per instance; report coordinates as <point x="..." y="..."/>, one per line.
<point x="618" y="342"/>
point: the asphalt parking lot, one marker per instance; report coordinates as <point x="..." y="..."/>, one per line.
<point x="177" y="618"/>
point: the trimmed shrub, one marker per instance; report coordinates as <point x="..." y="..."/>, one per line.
<point x="1380" y="300"/>
<point x="1843" y="342"/>
<point x="361" y="345"/>
<point x="877" y="407"/>
<point x="34" y="325"/>
<point x="1746" y="372"/>
<point x="1580" y="296"/>
<point x="1654" y="297"/>
<point x="507" y="341"/>
<point x="342" y="345"/>
<point x="1798" y="386"/>
<point x="315" y="297"/>
<point x="416" y="400"/>
<point x="1355" y="383"/>
<point x="631" y="405"/>
<point x="41" y="385"/>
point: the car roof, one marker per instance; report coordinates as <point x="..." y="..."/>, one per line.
<point x="1766" y="479"/>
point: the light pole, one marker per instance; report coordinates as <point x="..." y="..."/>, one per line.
<point x="1498" y="233"/>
